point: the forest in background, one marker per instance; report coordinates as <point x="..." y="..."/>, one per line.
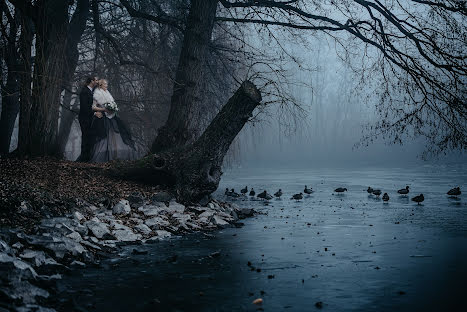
<point x="173" y="65"/>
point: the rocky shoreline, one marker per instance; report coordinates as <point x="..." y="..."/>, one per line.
<point x="30" y="263"/>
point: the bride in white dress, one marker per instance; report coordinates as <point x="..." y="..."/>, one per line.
<point x="113" y="140"/>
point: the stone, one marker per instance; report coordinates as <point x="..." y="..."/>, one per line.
<point x="18" y="264"/>
<point x="54" y="222"/>
<point x="126" y="236"/>
<point x="156" y="223"/>
<point x="78" y="263"/>
<point x="234" y="215"/>
<point x="219" y="221"/>
<point x="136" y="220"/>
<point x="161" y="197"/>
<point x="175" y="207"/>
<point x="60" y="246"/>
<point x="135" y="199"/>
<point x="207" y="214"/>
<point x="173" y="229"/>
<point x="37" y="308"/>
<point x="205" y="200"/>
<point x="23" y="207"/>
<point x="75" y="236"/>
<point x="181" y="216"/>
<point x="50" y="277"/>
<point x="78" y="216"/>
<point x="193" y="225"/>
<point x="17" y="245"/>
<point x="81" y="229"/>
<point x="37" y="257"/>
<point x="109" y="243"/>
<point x="62" y="225"/>
<point x="93" y="208"/>
<point x="182" y="219"/>
<point x="122" y="208"/>
<point x="91" y="245"/>
<point x="152" y="210"/>
<point x="196" y="209"/>
<point x="163" y="234"/>
<point x="245" y="212"/>
<point x="143" y="228"/>
<point x="98" y="229"/>
<point x="118" y="226"/>
<point x="25" y="291"/>
<point x="66" y="245"/>
<point x="4" y="246"/>
<point x="204" y="220"/>
<point x="224" y="216"/>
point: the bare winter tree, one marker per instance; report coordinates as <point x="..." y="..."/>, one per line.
<point x="422" y="60"/>
<point x="56" y="37"/>
<point x="140" y="59"/>
<point x="413" y="52"/>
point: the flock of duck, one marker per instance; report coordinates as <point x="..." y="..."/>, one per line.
<point x="308" y="190"/>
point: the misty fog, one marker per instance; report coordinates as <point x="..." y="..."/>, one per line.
<point x="327" y="133"/>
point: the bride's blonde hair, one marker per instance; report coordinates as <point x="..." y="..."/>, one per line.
<point x="101" y="82"/>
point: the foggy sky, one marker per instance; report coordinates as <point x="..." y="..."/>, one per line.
<point x="336" y="114"/>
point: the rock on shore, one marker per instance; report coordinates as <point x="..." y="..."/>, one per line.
<point x="30" y="261"/>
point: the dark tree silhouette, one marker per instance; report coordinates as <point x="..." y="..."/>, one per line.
<point x="9" y="89"/>
<point x="415" y="50"/>
<point x="56" y="40"/>
<point x="423" y="63"/>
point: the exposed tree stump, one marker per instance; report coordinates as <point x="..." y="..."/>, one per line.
<point x="194" y="171"/>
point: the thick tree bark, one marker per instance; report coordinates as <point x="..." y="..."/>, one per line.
<point x="10" y="91"/>
<point x="67" y="116"/>
<point x="194" y="170"/>
<point x="27" y="34"/>
<point x="75" y="31"/>
<point x="51" y="31"/>
<point x="10" y="109"/>
<point x="190" y="70"/>
<point x="55" y="61"/>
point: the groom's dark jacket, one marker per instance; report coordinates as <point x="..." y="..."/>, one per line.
<point x="85" y="106"/>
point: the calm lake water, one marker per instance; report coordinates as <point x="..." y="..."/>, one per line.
<point x="352" y="252"/>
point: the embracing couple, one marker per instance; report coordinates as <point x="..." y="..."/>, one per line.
<point x="104" y="136"/>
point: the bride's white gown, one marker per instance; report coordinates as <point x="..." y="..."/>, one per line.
<point x="112" y="138"/>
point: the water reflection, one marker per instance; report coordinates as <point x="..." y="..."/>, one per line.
<point x="352" y="252"/>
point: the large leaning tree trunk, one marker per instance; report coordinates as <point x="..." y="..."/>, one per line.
<point x="194" y="170"/>
<point x="190" y="70"/>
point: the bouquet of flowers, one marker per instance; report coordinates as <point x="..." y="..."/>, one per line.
<point x="111" y="106"/>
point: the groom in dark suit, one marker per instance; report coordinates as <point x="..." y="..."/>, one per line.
<point x="85" y="118"/>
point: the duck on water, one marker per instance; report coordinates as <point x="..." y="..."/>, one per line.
<point x="377" y="192"/>
<point x="265" y="195"/>
<point x="454" y="192"/>
<point x="418" y="199"/>
<point x="404" y="191"/>
<point x="297" y="197"/>
<point x="340" y="190"/>
<point x="244" y="190"/>
<point x="278" y="194"/>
